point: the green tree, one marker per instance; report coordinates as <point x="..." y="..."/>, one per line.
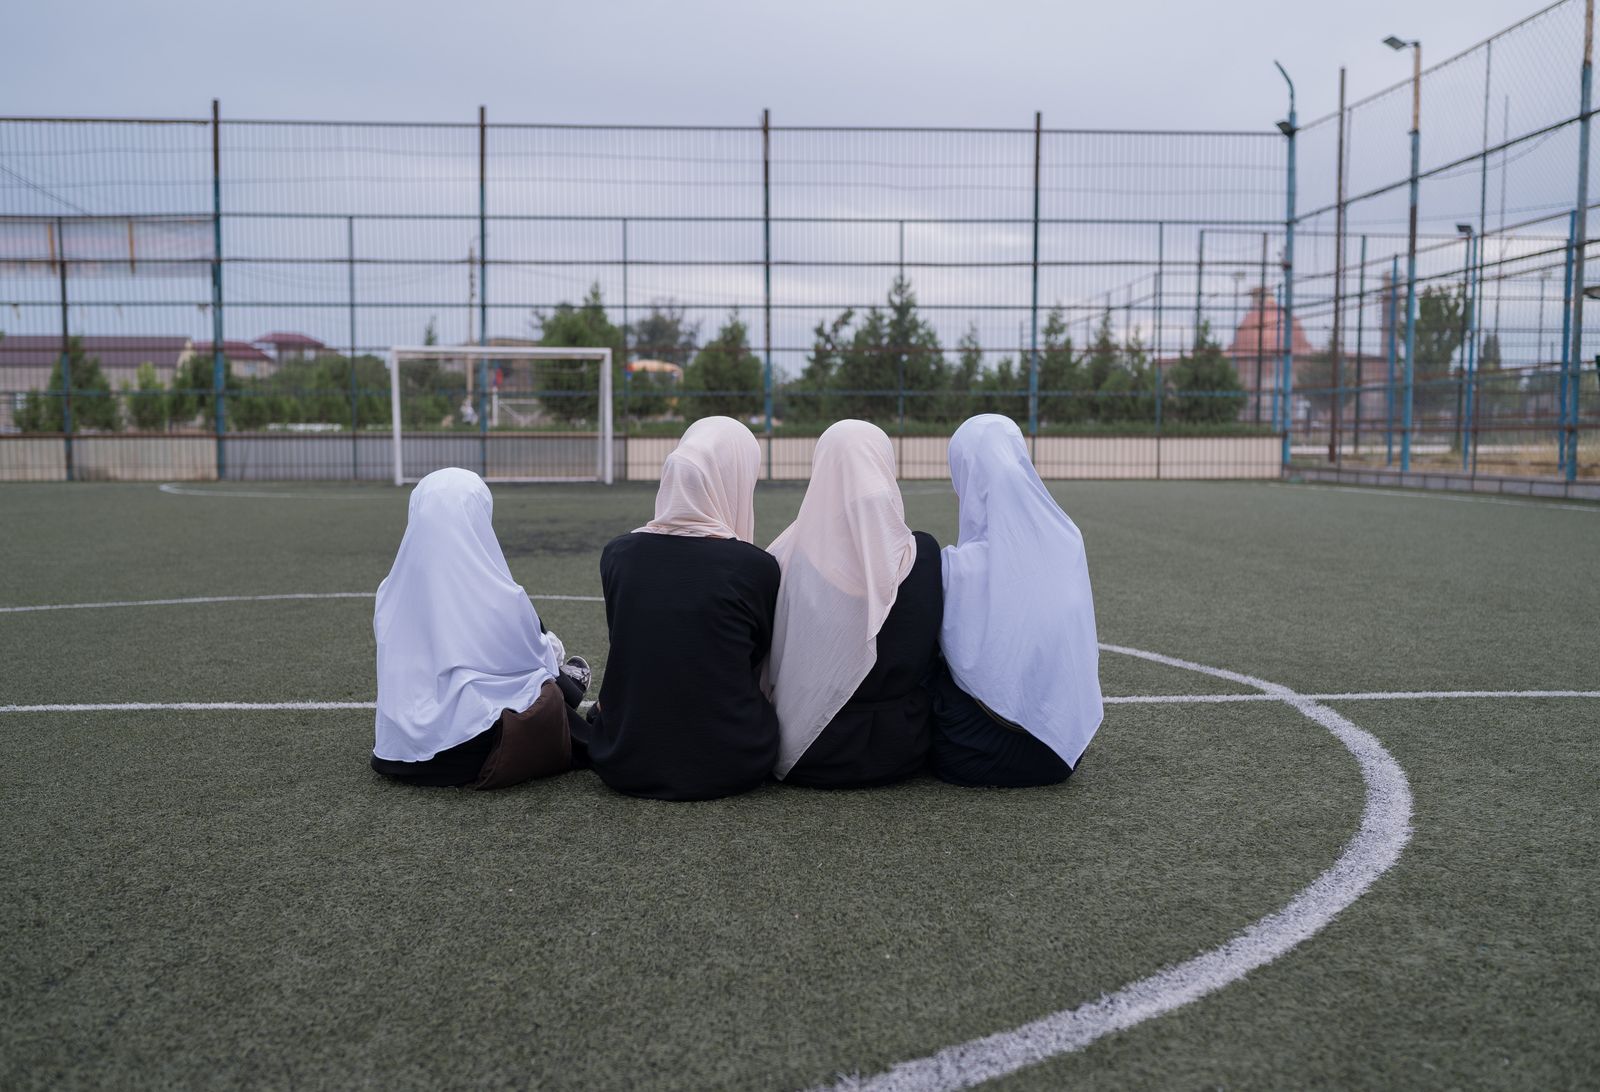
<point x="1442" y="317"/>
<point x="1103" y="357"/>
<point x="93" y="406"/>
<point x="1205" y="384"/>
<point x="1062" y="376"/>
<point x="1127" y="394"/>
<point x="1498" y="390"/>
<point x="193" y="389"/>
<point x="725" y="377"/>
<point x="666" y="334"/>
<point x="965" y="380"/>
<point x="810" y="397"/>
<point x="663" y="334"/>
<point x="146" y="399"/>
<point x="570" y="390"/>
<point x="1005" y="390"/>
<point x="893" y="350"/>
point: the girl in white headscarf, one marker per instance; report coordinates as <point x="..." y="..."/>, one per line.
<point x="689" y="605"/>
<point x="471" y="691"/>
<point x="857" y="625"/>
<point x="1021" y="699"/>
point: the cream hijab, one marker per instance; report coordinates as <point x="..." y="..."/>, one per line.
<point x="842" y="560"/>
<point x="708" y="483"/>
<point x="1018" y="628"/>
<point x="458" y="640"/>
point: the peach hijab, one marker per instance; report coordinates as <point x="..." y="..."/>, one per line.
<point x="708" y="483"/>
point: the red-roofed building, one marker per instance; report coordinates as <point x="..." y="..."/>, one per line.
<point x="282" y="347"/>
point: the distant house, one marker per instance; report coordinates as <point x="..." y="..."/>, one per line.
<point x="247" y="361"/>
<point x="26" y="360"/>
<point x="285" y="347"/>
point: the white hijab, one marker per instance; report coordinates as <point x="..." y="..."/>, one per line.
<point x="708" y="483"/>
<point x="458" y="640"/>
<point x="1018" y="612"/>
<point x="842" y="559"/>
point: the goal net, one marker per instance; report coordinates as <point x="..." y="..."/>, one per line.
<point x="511" y="413"/>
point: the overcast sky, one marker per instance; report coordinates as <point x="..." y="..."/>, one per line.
<point x="1135" y="63"/>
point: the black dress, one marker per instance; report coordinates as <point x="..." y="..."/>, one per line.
<point x="973" y="746"/>
<point x="681" y="715"/>
<point x="883" y="732"/>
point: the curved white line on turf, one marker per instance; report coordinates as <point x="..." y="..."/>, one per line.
<point x="1385" y="829"/>
<point x="246" y="599"/>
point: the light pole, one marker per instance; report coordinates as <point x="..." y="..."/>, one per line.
<point x="1411" y="242"/>
<point x="1286" y="317"/>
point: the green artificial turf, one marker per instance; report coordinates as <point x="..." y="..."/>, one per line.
<point x="215" y="899"/>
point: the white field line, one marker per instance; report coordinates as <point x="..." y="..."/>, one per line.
<point x="1430" y="494"/>
<point x="202" y="706"/>
<point x="1385" y="829"/>
<point x="245" y="599"/>
<point x="1128" y="699"/>
<point x="177" y="490"/>
<point x="1358" y="695"/>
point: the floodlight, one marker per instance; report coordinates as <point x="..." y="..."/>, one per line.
<point x="1464" y="229"/>
<point x="1592" y="292"/>
<point x="1285" y="128"/>
<point x="1395" y="43"/>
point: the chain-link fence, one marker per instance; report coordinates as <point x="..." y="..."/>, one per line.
<point x="1502" y="382"/>
<point x="214" y="297"/>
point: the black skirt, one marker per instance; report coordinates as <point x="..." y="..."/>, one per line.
<point x="973" y="747"/>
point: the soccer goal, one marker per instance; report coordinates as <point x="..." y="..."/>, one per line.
<point x="512" y="413"/>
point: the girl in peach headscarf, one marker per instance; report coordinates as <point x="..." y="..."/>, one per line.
<point x="689" y="604"/>
<point x="857" y="626"/>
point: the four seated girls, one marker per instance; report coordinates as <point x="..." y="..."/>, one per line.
<point x="850" y="653"/>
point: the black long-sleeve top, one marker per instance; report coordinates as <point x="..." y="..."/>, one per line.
<point x="884" y="731"/>
<point x="681" y="714"/>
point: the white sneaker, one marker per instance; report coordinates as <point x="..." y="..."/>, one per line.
<point x="577" y="669"/>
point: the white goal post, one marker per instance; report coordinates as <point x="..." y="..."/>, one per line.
<point x="504" y="467"/>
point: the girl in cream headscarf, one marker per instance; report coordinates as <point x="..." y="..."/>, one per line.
<point x="857" y="625"/>
<point x="689" y="604"/>
<point x="1021" y="699"/>
<point x="471" y="690"/>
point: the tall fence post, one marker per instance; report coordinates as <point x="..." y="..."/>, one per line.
<point x="1571" y="300"/>
<point x="66" y="350"/>
<point x="1411" y="258"/>
<point x="1286" y="317"/>
<point x="1261" y="325"/>
<point x="1470" y="463"/>
<point x="1033" y="306"/>
<point x="1336" y="340"/>
<point x="1580" y="232"/>
<point x="627" y="339"/>
<point x="355" y="397"/>
<point x="219" y="362"/>
<point x="766" y="278"/>
<point x="1469" y="362"/>
<point x="1392" y="339"/>
<point x="1361" y="343"/>
<point x="483" y="287"/>
<point x="1155" y="338"/>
